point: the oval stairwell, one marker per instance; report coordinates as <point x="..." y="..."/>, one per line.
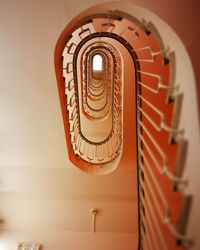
<point x="94" y="106"/>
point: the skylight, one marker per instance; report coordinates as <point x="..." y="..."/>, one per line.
<point x="97" y="63"/>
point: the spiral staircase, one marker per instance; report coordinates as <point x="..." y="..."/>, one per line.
<point x="93" y="107"/>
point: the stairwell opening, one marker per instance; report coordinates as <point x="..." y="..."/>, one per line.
<point x="158" y="142"/>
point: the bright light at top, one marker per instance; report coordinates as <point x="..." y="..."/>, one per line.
<point x="97" y="63"/>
